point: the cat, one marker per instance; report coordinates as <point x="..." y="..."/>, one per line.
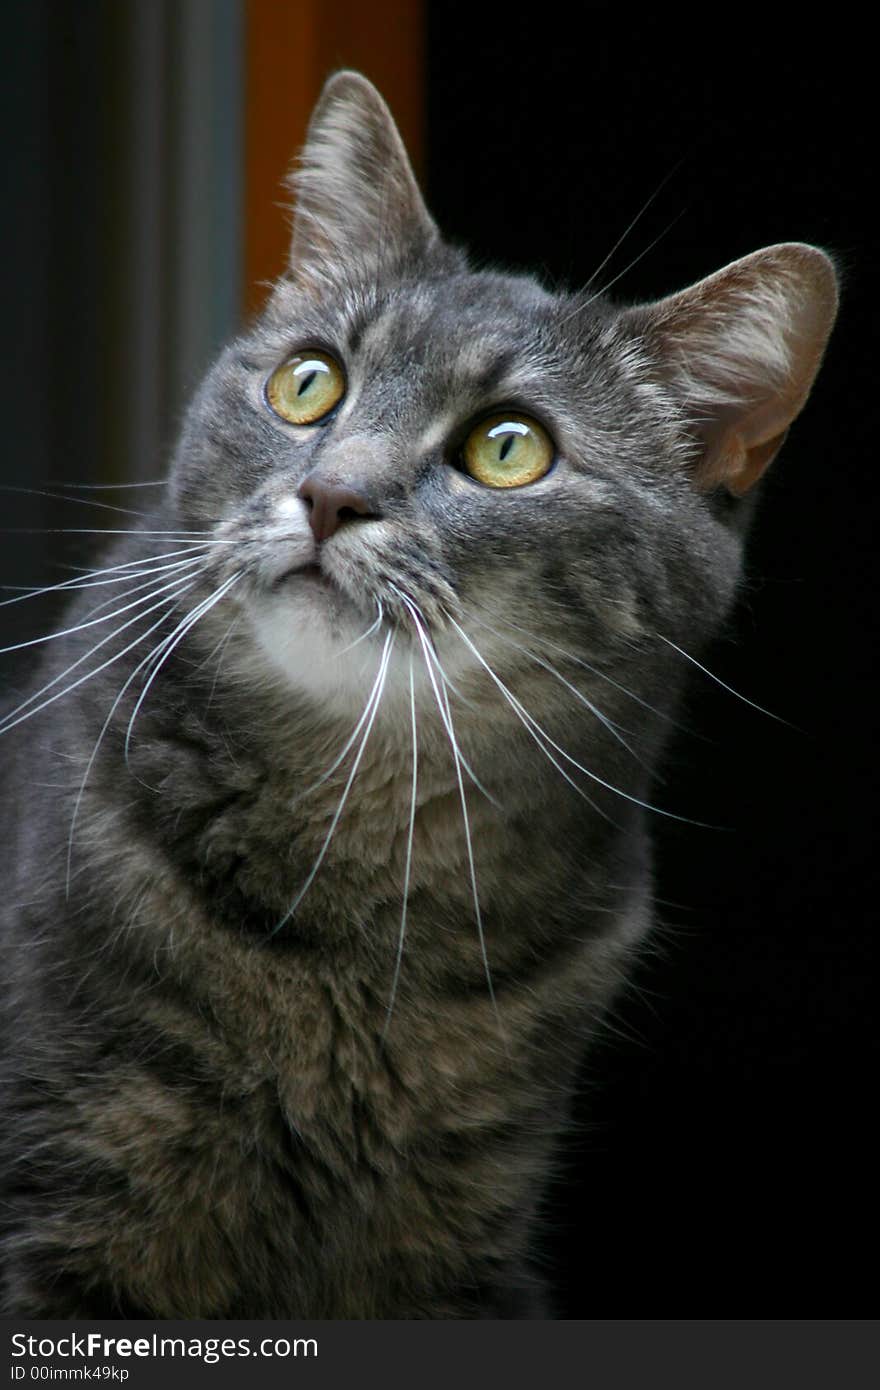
<point x="352" y="742"/>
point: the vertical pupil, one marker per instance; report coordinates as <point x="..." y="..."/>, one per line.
<point x="506" y="447"/>
<point x="306" y="383"/>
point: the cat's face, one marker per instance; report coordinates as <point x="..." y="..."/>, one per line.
<point x="580" y="552"/>
<point x="402" y="443"/>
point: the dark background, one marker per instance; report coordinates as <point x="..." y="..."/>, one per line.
<point x="723" y="1159"/>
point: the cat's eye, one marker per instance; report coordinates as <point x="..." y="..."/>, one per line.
<point x="306" y="387"/>
<point x="508" y="451"/>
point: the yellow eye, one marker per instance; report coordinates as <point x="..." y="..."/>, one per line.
<point x="508" y="451"/>
<point x="306" y="388"/>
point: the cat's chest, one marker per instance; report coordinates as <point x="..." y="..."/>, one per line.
<point x="342" y="833"/>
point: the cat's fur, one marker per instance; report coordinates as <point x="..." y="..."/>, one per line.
<point x="227" y="1097"/>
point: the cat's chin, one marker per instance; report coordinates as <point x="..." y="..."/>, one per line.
<point x="308" y="631"/>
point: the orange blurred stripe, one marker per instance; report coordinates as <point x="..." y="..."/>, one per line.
<point x="291" y="47"/>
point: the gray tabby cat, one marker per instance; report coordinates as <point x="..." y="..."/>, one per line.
<point x="352" y="744"/>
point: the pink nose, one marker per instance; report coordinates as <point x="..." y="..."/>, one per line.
<point x="330" y="504"/>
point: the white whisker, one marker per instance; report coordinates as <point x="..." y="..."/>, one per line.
<point x="107" y="487"/>
<point x="104" y="727"/>
<point x="220" y="651"/>
<point x="526" y="720"/>
<point x="635" y="221"/>
<point x="582" y="305"/>
<point x="435" y="660"/>
<point x="593" y="670"/>
<point x="131" y="569"/>
<point x="578" y="694"/>
<point x="446" y="717"/>
<point x="17" y="716"/>
<point x="723" y="684"/>
<point x="373" y="702"/>
<point x="91" y="622"/>
<point x="169" y="643"/>
<point x="430" y="661"/>
<point x="61" y="497"/>
<point x="370" y="630"/>
<point x="340" y="757"/>
<point x="409" y="845"/>
<point x="177" y="537"/>
<point x="179" y="565"/>
<point x="594" y="777"/>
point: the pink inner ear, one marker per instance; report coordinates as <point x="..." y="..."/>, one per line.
<point x="734" y="465"/>
<point x="742" y="348"/>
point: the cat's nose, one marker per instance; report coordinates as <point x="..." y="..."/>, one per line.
<point x="330" y="504"/>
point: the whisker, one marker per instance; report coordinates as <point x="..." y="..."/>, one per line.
<point x="82" y="581"/>
<point x="374" y="700"/>
<point x="435" y="660"/>
<point x="718" y="681"/>
<point x="457" y="760"/>
<point x="635" y="221"/>
<point x="593" y="670"/>
<point x="594" y="777"/>
<point x="218" y="645"/>
<point x="91" y="622"/>
<point x="107" y="487"/>
<point x="340" y="758"/>
<point x="371" y="629"/>
<point x="172" y="640"/>
<point x="604" y="676"/>
<point x="409" y="845"/>
<point x="178" y="565"/>
<point x="220" y="651"/>
<point x="430" y="661"/>
<point x="177" y="537"/>
<point x="17" y="716"/>
<point x="526" y="720"/>
<point x="583" y="304"/>
<point x="62" y="497"/>
<point x="113" y="708"/>
<point x="634" y="262"/>
<point x="578" y="694"/>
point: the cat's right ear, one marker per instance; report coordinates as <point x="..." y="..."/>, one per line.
<point x="356" y="201"/>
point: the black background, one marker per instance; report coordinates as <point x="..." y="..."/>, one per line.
<point x="723" y="1158"/>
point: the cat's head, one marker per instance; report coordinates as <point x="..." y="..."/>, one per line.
<point x="400" y="441"/>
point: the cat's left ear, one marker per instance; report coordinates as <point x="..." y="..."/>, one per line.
<point x="356" y="201"/>
<point x="742" y="348"/>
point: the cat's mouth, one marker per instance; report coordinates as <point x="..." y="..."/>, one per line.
<point x="311" y="580"/>
<point x="312" y="571"/>
<point x="313" y="577"/>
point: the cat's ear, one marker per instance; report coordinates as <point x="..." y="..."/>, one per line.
<point x="742" y="348"/>
<point x="356" y="200"/>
